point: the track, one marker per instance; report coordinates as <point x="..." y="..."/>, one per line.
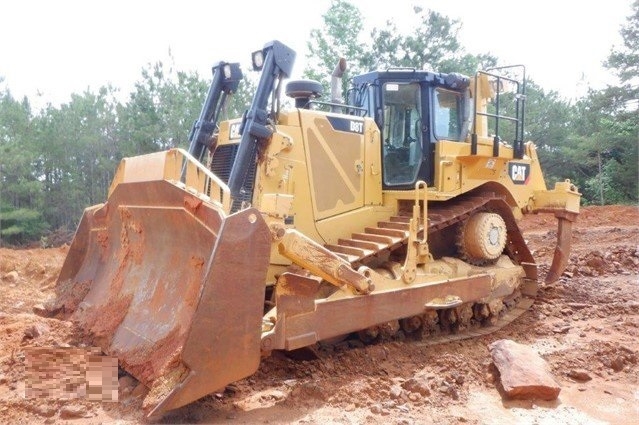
<point x="445" y="325"/>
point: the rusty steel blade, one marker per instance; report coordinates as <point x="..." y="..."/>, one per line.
<point x="171" y="286"/>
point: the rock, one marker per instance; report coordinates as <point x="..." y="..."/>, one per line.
<point x="73" y="412"/>
<point x="524" y="373"/>
<point x="417" y="385"/>
<point x="561" y="329"/>
<point x="453" y="393"/>
<point x="617" y="364"/>
<point x="579" y="306"/>
<point x="35" y="331"/>
<point x="49" y="309"/>
<point x="389" y="404"/>
<point x="376" y="409"/>
<point x="395" y="391"/>
<point x="403" y="409"/>
<point x="377" y="353"/>
<point x="458" y="378"/>
<point x="39" y="310"/>
<point x="579" y="375"/>
<point x="308" y="392"/>
<point x="11" y="277"/>
<point x="276" y="395"/>
<point x="596" y="263"/>
<point x="126" y="384"/>
<point x="45" y="410"/>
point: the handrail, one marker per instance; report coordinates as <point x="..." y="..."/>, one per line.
<point x="178" y="167"/>
<point x="518" y="119"/>
<point x="200" y="178"/>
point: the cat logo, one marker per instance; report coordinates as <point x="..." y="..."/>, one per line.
<point x="234" y="130"/>
<point x="519" y="172"/>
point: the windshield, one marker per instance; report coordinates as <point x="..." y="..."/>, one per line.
<point x="402" y="133"/>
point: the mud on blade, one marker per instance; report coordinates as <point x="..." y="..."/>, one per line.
<point x="171" y="285"/>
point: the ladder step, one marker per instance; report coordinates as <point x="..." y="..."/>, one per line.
<point x="373" y="246"/>
<point x="398" y="234"/>
<point x="380" y="239"/>
<point x="400" y="219"/>
<point x="349" y="250"/>
<point x="393" y="225"/>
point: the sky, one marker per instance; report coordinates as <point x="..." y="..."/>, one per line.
<point x="51" y="49"/>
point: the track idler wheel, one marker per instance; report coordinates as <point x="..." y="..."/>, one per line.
<point x="482" y="238"/>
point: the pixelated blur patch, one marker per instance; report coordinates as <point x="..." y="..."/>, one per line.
<point x="70" y="373"/>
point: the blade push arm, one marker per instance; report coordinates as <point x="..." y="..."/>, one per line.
<point x="226" y="78"/>
<point x="275" y="61"/>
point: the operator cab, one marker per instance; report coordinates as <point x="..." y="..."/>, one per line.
<point x="413" y="110"/>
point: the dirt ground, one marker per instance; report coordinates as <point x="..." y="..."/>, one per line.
<point x="586" y="326"/>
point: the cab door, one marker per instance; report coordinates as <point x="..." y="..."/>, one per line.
<point x="402" y="134"/>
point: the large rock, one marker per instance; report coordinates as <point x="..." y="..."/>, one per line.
<point x="11" y="277"/>
<point x="524" y="374"/>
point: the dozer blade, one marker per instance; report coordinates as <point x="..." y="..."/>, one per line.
<point x="562" y="250"/>
<point x="171" y="286"/>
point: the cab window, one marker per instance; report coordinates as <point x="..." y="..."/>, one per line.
<point x="447" y="114"/>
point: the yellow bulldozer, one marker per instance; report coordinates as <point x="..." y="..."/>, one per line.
<point x="392" y="207"/>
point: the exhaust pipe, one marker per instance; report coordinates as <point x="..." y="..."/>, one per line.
<point x="336" y="85"/>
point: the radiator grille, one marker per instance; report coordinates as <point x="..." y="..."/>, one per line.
<point x="221" y="165"/>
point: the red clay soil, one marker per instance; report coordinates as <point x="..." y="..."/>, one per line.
<point x="586" y="327"/>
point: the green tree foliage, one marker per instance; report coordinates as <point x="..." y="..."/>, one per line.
<point x="163" y="106"/>
<point x="21" y="197"/>
<point x="340" y="37"/>
<point x="608" y="126"/>
<point x="430" y="43"/>
<point x="161" y="110"/>
<point x="76" y="154"/>
<point x="547" y="119"/>
<point x="20" y="225"/>
<point x="57" y="162"/>
<point x="624" y="61"/>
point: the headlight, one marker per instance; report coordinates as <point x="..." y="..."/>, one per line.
<point x="258" y="60"/>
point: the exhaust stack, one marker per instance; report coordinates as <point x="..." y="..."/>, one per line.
<point x="336" y="83"/>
